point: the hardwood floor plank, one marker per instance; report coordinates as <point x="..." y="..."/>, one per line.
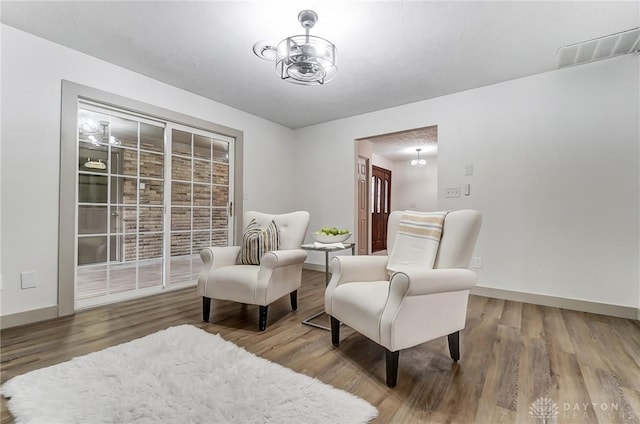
<point x="511" y="354"/>
<point x="511" y="314"/>
<point x="632" y="397"/>
<point x="532" y="321"/>
<point x="617" y="356"/>
<point x="608" y="402"/>
<point x="505" y="369"/>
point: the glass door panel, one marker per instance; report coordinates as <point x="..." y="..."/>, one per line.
<point x="120" y="204"/>
<point x="199" y="199"/>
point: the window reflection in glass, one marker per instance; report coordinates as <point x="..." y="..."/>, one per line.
<point x="181" y="143"/>
<point x="92" y="189"/>
<point x="92" y="219"/>
<point x="92" y="250"/>
<point x="151" y="137"/>
<point x="202" y="147"/>
<point x="123" y="132"/>
<point x="220" y="151"/>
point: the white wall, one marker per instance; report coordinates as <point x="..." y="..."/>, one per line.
<point x="556" y="176"/>
<point x="381" y="162"/>
<point x="556" y="159"/>
<point x="414" y="187"/>
<point x="32" y="70"/>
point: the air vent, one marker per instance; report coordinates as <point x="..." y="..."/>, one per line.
<point x="599" y="48"/>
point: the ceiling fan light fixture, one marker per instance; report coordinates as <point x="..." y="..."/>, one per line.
<point x="302" y="59"/>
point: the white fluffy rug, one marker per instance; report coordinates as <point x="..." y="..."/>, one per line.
<point x="178" y="375"/>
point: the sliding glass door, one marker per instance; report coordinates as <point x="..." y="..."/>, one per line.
<point x="200" y="198"/>
<point x="150" y="196"/>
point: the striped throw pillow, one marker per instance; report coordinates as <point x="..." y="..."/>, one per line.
<point x="256" y="242"/>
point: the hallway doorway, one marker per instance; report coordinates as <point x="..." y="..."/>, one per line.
<point x="412" y="187"/>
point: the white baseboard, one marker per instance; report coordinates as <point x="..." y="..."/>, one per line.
<point x="543" y="300"/>
<point x="28" y="317"/>
<point x="313" y="267"/>
<point x="560" y="302"/>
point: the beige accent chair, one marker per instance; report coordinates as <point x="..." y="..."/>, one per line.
<point x="413" y="306"/>
<point x="279" y="272"/>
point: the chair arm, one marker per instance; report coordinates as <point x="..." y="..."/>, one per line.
<point x="359" y="268"/>
<point x="353" y="269"/>
<point x="415" y="282"/>
<point x="217" y="256"/>
<point x="279" y="258"/>
<point x="212" y="258"/>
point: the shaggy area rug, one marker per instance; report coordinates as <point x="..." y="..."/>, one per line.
<point x="179" y="375"/>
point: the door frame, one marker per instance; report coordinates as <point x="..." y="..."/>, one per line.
<point x="363" y="235"/>
<point x="364" y="148"/>
<point x="72" y="93"/>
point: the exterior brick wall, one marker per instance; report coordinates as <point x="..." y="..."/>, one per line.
<point x="198" y="209"/>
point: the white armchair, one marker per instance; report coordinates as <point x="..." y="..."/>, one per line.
<point x="415" y="305"/>
<point x="279" y="272"/>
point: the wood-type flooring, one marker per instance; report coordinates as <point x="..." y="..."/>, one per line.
<point x="520" y="363"/>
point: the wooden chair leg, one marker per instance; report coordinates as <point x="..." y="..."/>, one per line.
<point x="206" y="308"/>
<point x="335" y="331"/>
<point x="294" y="300"/>
<point x="392" y="359"/>
<point x="262" y="318"/>
<point x="454" y="346"/>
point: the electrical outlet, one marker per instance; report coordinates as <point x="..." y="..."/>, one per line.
<point x="451" y="192"/>
<point x="28" y="279"/>
<point x="477" y="262"/>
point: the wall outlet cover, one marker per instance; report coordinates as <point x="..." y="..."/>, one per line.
<point x="451" y="192"/>
<point x="477" y="262"/>
<point x="28" y="279"/>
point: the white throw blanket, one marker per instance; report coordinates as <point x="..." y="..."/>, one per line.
<point x="417" y="241"/>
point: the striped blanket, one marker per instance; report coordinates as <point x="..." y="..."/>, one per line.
<point x="417" y="240"/>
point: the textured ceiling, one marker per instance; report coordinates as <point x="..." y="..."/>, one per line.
<point x="402" y="145"/>
<point x="390" y="52"/>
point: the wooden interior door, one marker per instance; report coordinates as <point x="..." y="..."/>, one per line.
<point x="363" y="207"/>
<point x="380" y="207"/>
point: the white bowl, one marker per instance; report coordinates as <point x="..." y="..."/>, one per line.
<point x="323" y="238"/>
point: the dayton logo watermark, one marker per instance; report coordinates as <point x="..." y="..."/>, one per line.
<point x="543" y="408"/>
<point x="548" y="411"/>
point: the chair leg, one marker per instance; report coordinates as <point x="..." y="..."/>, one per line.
<point x="335" y="331"/>
<point x="392" y="367"/>
<point x="294" y="300"/>
<point x="206" y="308"/>
<point x="262" y="318"/>
<point x="454" y="346"/>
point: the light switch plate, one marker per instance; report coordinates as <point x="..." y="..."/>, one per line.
<point x="468" y="169"/>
